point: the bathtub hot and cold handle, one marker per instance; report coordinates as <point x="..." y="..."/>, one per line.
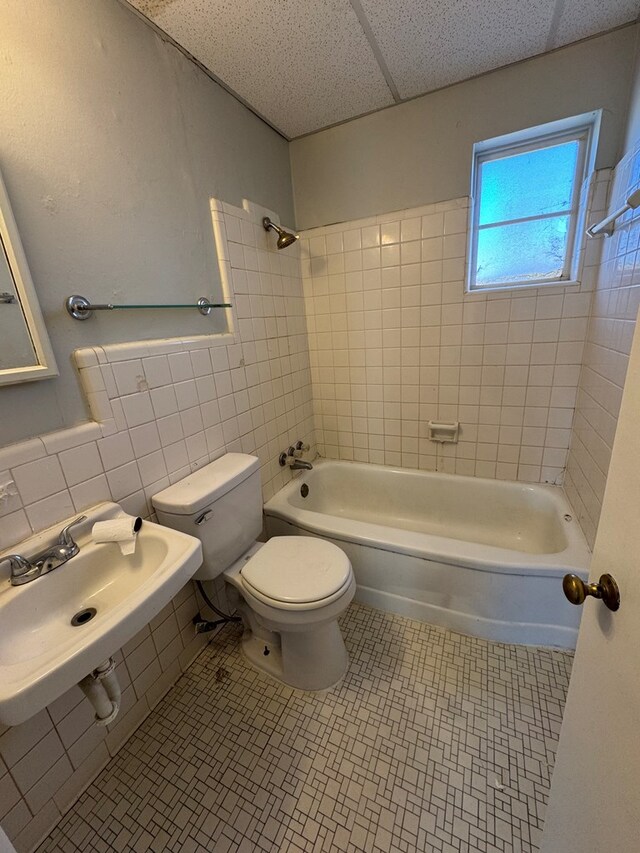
<point x="292" y="457"/>
<point x="576" y="590"/>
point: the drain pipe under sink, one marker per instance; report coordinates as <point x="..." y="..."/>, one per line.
<point x="102" y="689"/>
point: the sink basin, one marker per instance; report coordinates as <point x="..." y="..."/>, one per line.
<point x="42" y="654"/>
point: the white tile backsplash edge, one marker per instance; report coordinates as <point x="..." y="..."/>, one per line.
<point x="391" y="216"/>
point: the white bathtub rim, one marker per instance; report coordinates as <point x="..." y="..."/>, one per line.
<point x="541" y="616"/>
<point x="452" y="552"/>
<point x="574" y="558"/>
<point x="556" y="494"/>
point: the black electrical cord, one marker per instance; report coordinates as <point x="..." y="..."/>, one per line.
<point x="224" y="616"/>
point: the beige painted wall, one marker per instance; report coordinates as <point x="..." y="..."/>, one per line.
<point x="112" y="143"/>
<point x="420" y="152"/>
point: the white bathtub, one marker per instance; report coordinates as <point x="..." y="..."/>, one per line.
<point x="485" y="557"/>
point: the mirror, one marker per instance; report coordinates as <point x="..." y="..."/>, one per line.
<point x="25" y="349"/>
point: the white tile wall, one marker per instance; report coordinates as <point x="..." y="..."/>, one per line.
<point x="395" y="342"/>
<point x="162" y="409"/>
<point x="611" y="327"/>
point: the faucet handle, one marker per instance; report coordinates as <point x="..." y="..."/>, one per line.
<point x="21" y="569"/>
<point x="300" y="448"/>
<point x="65" y="539"/>
<point x="18" y="565"/>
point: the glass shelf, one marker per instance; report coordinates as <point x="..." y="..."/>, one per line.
<point x="81" y="309"/>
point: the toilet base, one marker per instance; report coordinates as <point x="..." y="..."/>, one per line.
<point x="315" y="659"/>
<point x="305" y="649"/>
<point x="254" y="649"/>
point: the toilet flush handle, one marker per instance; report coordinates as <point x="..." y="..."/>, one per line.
<point x="204" y="517"/>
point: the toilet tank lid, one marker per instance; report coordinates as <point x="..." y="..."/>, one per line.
<point x="207" y="484"/>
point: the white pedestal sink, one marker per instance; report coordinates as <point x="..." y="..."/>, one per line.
<point x="42" y="654"/>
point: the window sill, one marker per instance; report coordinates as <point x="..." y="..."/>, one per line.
<point x="519" y="286"/>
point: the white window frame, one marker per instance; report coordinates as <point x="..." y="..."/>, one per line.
<point x="583" y="129"/>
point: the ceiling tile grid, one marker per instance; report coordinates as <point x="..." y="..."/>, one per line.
<point x="308" y="65"/>
<point x="300" y="65"/>
<point x="582" y="18"/>
<point x="432" y="44"/>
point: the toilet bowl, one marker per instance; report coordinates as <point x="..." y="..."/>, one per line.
<point x="289" y="591"/>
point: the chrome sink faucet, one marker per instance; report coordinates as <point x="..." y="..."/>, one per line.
<point x="24" y="570"/>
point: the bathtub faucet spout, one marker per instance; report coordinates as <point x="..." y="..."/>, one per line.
<point x="294" y="463"/>
<point x="300" y="465"/>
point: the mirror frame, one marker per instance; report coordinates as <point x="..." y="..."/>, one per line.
<point x="46" y="366"/>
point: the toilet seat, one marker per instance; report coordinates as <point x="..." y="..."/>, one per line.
<point x="299" y="607"/>
<point x="297" y="573"/>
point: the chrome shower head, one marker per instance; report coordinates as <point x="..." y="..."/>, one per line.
<point x="284" y="237"/>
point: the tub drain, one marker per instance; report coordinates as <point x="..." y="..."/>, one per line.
<point x="83" y="616"/>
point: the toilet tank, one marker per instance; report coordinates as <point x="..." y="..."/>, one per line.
<point x="220" y="504"/>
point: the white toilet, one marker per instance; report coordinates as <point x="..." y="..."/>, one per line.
<point x="289" y="591"/>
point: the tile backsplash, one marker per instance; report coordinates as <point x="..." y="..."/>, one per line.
<point x="608" y="344"/>
<point x="395" y="341"/>
<point x="161" y="409"/>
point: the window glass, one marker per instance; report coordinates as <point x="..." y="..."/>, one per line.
<point x="528" y="184"/>
<point x="527" y="211"/>
<point x="522" y="252"/>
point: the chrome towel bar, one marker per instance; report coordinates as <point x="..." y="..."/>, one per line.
<point x="81" y="309"/>
<point x="606" y="226"/>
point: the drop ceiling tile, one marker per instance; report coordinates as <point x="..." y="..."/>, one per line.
<point x="429" y="43"/>
<point x="581" y="18"/>
<point x="302" y="65"/>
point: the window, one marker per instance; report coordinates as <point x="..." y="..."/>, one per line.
<point x="527" y="211"/>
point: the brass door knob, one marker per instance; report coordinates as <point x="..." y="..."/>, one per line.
<point x="576" y="590"/>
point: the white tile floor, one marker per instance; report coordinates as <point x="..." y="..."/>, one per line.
<point x="433" y="742"/>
